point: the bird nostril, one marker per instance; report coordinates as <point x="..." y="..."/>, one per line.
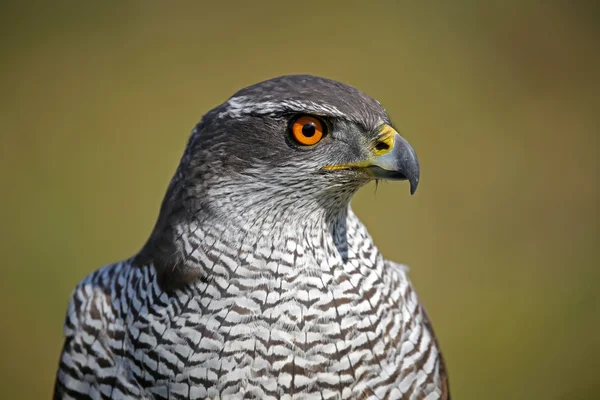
<point x="382" y="146"/>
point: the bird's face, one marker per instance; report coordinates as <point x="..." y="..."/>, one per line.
<point x="303" y="134"/>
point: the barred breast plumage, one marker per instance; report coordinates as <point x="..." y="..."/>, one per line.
<point x="259" y="281"/>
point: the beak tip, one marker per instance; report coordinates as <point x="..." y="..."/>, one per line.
<point x="413" y="186"/>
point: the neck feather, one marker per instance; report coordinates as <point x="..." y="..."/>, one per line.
<point x="196" y="232"/>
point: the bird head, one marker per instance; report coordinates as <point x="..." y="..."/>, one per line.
<point x="297" y="136"/>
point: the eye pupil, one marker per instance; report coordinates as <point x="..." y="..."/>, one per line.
<point x="309" y="129"/>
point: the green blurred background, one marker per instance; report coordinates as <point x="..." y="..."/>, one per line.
<point x="501" y="102"/>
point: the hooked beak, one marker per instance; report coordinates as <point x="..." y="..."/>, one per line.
<point x="393" y="159"/>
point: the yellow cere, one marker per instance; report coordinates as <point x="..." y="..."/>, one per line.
<point x="386" y="135"/>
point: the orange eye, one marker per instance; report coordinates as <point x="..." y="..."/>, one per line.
<point x="307" y="130"/>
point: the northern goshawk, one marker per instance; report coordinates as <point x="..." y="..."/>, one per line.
<point x="258" y="280"/>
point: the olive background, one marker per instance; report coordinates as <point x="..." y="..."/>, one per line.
<point x="500" y="100"/>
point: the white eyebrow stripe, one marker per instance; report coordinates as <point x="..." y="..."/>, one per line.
<point x="242" y="105"/>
